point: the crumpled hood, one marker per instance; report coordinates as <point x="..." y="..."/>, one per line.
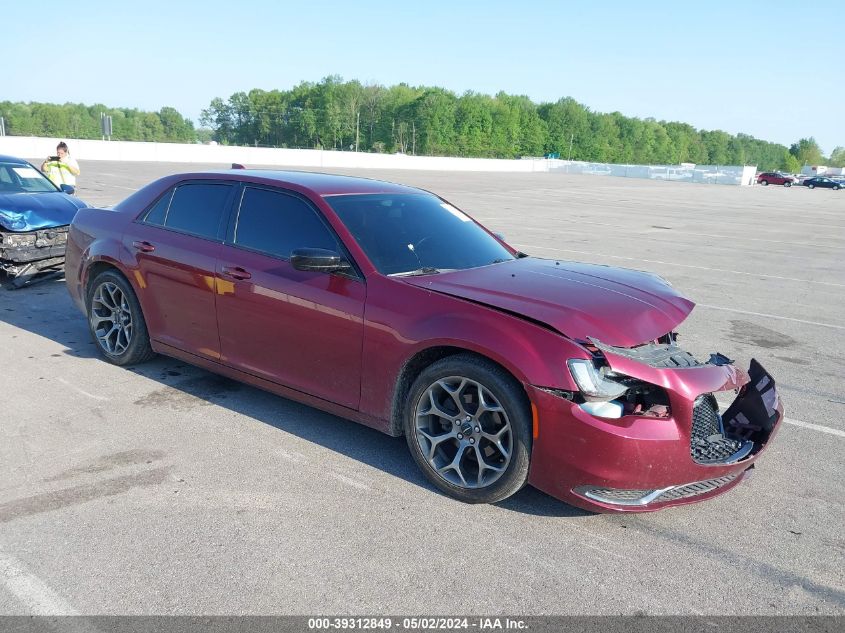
<point x="33" y="211"/>
<point x="618" y="306"/>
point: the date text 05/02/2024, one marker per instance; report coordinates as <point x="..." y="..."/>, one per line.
<point x="416" y="623"/>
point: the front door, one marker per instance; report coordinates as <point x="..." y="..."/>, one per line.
<point x="300" y="329"/>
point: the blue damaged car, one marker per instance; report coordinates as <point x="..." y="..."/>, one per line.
<point x="34" y="219"/>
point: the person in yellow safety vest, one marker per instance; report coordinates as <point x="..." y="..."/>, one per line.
<point x="62" y="169"/>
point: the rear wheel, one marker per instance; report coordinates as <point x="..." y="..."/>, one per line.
<point x="764" y="182"/>
<point x="811" y="186"/>
<point x="116" y="322"/>
<point x="468" y="426"/>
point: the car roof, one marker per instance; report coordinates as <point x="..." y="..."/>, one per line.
<point x="319" y="183"/>
<point x="4" y="158"/>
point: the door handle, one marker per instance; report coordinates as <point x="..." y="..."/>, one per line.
<point x="144" y="247"/>
<point x="236" y="272"/>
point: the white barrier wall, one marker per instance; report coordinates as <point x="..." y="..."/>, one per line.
<point x="706" y="174"/>
<point x="227" y="154"/>
<point x="31" y="147"/>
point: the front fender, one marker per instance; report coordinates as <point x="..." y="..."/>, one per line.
<point x="402" y="320"/>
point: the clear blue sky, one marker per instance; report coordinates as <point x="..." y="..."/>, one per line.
<point x="771" y="69"/>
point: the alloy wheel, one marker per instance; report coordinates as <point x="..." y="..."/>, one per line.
<point x="463" y="432"/>
<point x="111" y="318"/>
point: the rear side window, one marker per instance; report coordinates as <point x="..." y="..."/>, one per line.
<point x="277" y="223"/>
<point x="192" y="208"/>
<point x="158" y="213"/>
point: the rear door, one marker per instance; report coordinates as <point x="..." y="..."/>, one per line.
<point x="300" y="329"/>
<point x="174" y="248"/>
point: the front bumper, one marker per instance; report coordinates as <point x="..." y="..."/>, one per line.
<point x="29" y="252"/>
<point x="638" y="464"/>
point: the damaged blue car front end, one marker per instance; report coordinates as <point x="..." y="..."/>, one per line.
<point x="34" y="220"/>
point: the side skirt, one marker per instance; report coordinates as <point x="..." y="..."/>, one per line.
<point x="274" y="388"/>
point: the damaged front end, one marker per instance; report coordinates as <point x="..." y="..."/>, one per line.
<point x="653" y="414"/>
<point x="25" y="255"/>
<point x="743" y="429"/>
<point x="34" y="218"/>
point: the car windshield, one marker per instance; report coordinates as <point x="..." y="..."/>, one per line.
<point x="416" y="233"/>
<point x="22" y="178"/>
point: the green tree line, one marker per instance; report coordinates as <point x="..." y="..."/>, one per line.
<point x="344" y="115"/>
<point x="75" y="120"/>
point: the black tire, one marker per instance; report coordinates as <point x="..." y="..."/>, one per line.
<point x="787" y="184"/>
<point x="765" y="183"/>
<point x="511" y="422"/>
<point x="835" y="187"/>
<point x="811" y="186"/>
<point x="131" y="348"/>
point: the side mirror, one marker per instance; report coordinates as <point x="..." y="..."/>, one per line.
<point x="68" y="189"/>
<point x="318" y="260"/>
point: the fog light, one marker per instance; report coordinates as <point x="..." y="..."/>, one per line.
<point x="611" y="409"/>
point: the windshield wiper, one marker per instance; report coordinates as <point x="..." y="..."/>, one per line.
<point x="425" y="270"/>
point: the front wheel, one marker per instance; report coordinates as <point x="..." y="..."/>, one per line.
<point x="468" y="427"/>
<point x="835" y="187"/>
<point x="811" y="186"/>
<point x="787" y="184"/>
<point x="116" y="322"/>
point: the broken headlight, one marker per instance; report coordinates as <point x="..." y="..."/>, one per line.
<point x="609" y="394"/>
<point x="595" y="383"/>
<point x="19" y="239"/>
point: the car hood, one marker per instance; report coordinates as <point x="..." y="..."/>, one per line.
<point x="618" y="306"/>
<point x="33" y="211"/>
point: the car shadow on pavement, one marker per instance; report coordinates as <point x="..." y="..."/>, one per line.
<point x="47" y="311"/>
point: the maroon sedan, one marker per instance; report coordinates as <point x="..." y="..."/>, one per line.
<point x="389" y="306"/>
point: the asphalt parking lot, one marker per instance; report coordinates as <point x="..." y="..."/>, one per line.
<point x="165" y="489"/>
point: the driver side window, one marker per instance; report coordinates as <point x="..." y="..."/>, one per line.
<point x="276" y="223"/>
